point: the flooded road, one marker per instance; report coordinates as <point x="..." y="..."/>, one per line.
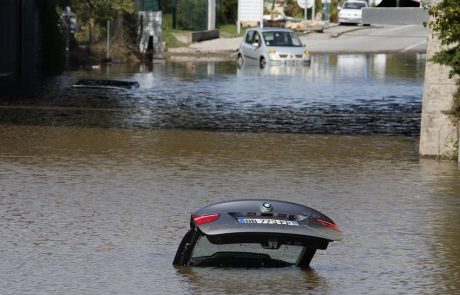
<point x="342" y="94"/>
<point x="96" y="189"/>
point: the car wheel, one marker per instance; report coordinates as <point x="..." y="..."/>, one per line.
<point x="262" y="62"/>
<point x="239" y="61"/>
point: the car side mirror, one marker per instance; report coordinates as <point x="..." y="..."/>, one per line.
<point x="255" y="44"/>
<point x="339" y="8"/>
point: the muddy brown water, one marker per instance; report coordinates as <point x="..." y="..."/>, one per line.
<point x="101" y="208"/>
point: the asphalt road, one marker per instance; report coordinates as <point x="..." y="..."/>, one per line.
<point x="358" y="39"/>
<point x="339" y="39"/>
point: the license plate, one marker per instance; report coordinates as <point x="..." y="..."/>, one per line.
<point x="267" y="221"/>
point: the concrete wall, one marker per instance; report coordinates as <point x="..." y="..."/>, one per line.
<point x="9" y="41"/>
<point x="437" y="135"/>
<point x="19" y="41"/>
<point x="395" y="15"/>
<point x="203" y="35"/>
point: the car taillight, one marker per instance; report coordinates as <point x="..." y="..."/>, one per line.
<point x="328" y="224"/>
<point x="205" y="218"/>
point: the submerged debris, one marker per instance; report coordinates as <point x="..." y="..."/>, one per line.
<point x="111" y="84"/>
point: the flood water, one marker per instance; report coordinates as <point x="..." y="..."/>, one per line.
<point x="96" y="187"/>
<point x="341" y="94"/>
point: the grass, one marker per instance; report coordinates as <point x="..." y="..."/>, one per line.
<point x="230" y="31"/>
<point x="171" y="41"/>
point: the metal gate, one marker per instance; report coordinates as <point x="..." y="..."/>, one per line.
<point x="185" y="15"/>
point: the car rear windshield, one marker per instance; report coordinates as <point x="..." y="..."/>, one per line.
<point x="277" y="38"/>
<point x="243" y="254"/>
<point x="354" y="5"/>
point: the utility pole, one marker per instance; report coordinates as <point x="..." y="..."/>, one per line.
<point x="305" y="15"/>
<point x="108" y="41"/>
<point x="326" y="13"/>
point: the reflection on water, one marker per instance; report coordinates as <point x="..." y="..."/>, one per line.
<point x="344" y="94"/>
<point x="101" y="211"/>
<point x="267" y="281"/>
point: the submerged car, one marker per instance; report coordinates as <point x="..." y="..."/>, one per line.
<point x="255" y="233"/>
<point x="351" y="13"/>
<point x="272" y="46"/>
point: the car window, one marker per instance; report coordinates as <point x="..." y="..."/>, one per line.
<point x="249" y="37"/>
<point x="205" y="249"/>
<point x="354" y="5"/>
<point x="281" y="39"/>
<point x="256" y="38"/>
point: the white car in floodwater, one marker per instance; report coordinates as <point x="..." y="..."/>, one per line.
<point x="272" y="46"/>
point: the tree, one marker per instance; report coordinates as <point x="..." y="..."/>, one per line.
<point x="446" y="26"/>
<point x="88" y="10"/>
<point x="228" y="11"/>
<point x="120" y="8"/>
<point x="91" y="11"/>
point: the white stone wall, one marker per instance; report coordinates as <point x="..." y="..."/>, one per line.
<point x="151" y="27"/>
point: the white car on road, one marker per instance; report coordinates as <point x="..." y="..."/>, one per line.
<point x="272" y="46"/>
<point x="351" y="13"/>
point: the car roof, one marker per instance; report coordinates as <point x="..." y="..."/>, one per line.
<point x="355" y="1"/>
<point x="269" y="29"/>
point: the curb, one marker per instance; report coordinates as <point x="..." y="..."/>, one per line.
<point x="336" y="35"/>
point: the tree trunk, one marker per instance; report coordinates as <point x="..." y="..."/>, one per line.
<point x="91" y="34"/>
<point x="119" y="36"/>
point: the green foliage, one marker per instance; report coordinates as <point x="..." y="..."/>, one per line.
<point x="192" y="15"/>
<point x="230" y="31"/>
<point x="93" y="15"/>
<point x="101" y="9"/>
<point x="455" y="109"/>
<point x="292" y="9"/>
<point x="450" y="57"/>
<point x="227" y="11"/>
<point x="170" y="40"/>
<point x="446" y="25"/>
<point x="333" y="11"/>
<point x="148" y="5"/>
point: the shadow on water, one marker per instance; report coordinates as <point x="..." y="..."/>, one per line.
<point x="344" y="94"/>
<point x="247" y="281"/>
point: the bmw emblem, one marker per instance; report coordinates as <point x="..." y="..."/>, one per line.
<point x="267" y="207"/>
